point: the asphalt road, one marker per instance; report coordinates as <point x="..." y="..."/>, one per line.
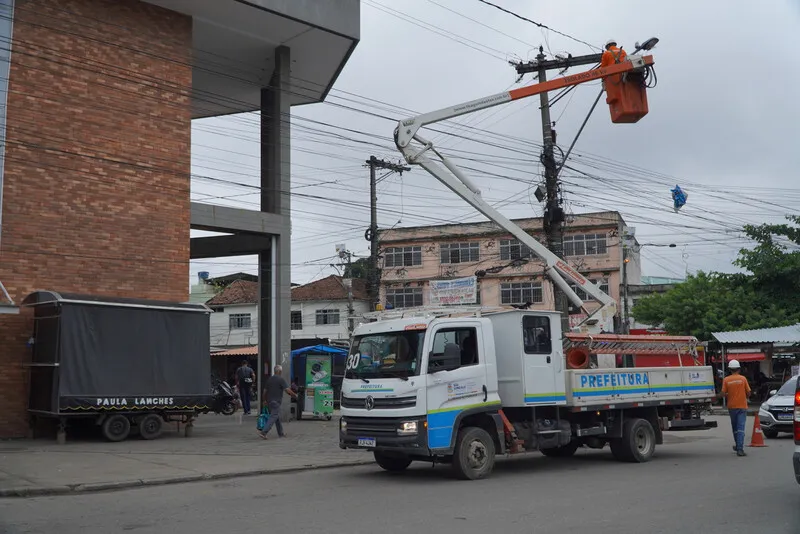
<point x="695" y="484"/>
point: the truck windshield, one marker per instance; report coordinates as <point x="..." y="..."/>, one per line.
<point x="386" y="355"/>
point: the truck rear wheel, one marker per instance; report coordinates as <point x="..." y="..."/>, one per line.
<point x="564" y="451"/>
<point x="473" y="457"/>
<point x="116" y="427"/>
<point x="392" y="463"/>
<point x="638" y="442"/>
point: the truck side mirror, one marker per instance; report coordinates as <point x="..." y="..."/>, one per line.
<point x="449" y="360"/>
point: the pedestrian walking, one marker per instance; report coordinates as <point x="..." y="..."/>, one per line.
<point x="736" y="390"/>
<point x="244" y="383"/>
<point x="275" y="386"/>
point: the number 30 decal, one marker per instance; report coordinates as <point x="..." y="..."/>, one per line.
<point x="352" y="361"/>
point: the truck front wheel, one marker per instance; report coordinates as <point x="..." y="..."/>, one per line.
<point x="392" y="463"/>
<point x="473" y="457"/>
<point x="638" y="442"/>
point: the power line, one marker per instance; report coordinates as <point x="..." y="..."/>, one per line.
<point x="539" y="24"/>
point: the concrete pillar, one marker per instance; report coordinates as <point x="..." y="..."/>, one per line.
<point x="275" y="265"/>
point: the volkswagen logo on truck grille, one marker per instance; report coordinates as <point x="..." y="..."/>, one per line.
<point x="369" y="402"/>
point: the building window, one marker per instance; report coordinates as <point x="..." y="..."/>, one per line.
<point x="603" y="284"/>
<point x="404" y="297"/>
<point x="512" y="249"/>
<point x="296" y="320"/>
<point x="402" y="256"/>
<point x="327" y="317"/>
<point x="239" y="320"/>
<point x="460" y="252"/>
<point x="521" y="293"/>
<point x="585" y="245"/>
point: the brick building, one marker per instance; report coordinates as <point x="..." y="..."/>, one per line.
<point x="508" y="274"/>
<point x="100" y="100"/>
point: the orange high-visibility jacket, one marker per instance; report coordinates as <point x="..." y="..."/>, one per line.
<point x="612" y="55"/>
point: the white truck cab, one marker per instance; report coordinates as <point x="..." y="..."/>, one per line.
<point x="460" y="389"/>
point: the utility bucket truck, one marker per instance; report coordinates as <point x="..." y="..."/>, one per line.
<point x="460" y="386"/>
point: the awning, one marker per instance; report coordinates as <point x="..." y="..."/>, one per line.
<point x="747" y="357"/>
<point x="242" y="351"/>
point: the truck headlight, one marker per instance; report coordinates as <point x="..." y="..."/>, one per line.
<point x="407" y="428"/>
<point x="342" y="426"/>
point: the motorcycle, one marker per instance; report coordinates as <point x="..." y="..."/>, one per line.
<point x="223" y="398"/>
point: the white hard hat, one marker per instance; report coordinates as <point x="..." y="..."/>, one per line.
<point x="734" y="364"/>
<point x="610" y="42"/>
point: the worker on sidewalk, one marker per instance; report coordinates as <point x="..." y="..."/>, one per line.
<point x="736" y="390"/>
<point x="245" y="376"/>
<point x="612" y="54"/>
<point x="275" y="386"/>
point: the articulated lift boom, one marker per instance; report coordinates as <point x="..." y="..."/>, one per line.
<point x="407" y="132"/>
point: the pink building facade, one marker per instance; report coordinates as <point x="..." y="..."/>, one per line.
<point x="507" y="272"/>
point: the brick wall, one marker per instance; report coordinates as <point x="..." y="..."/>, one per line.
<point x="97" y="163"/>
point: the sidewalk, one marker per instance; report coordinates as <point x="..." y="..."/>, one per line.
<point x="219" y="448"/>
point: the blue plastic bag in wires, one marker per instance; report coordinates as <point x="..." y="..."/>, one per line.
<point x="678" y="197"/>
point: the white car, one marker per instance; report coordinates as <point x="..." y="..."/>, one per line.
<point x="776" y="415"/>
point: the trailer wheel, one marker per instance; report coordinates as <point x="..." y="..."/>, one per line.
<point x="564" y="451"/>
<point x="392" y="463"/>
<point x="473" y="457"/>
<point x="116" y="427"/>
<point x="638" y="442"/>
<point x="150" y="426"/>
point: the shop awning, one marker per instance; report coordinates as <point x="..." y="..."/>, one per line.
<point x="747" y="357"/>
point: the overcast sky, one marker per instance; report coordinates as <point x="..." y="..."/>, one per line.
<point x="723" y="124"/>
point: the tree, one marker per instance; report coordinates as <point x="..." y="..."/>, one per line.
<point x="775" y="269"/>
<point x="358" y="269"/>
<point x="763" y="297"/>
<point x="706" y="303"/>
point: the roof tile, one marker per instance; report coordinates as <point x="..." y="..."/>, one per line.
<point x="330" y="288"/>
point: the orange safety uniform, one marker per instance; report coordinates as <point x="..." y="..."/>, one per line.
<point x="612" y="55"/>
<point x="737" y="388"/>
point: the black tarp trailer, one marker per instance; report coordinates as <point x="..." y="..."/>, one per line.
<point x="126" y="363"/>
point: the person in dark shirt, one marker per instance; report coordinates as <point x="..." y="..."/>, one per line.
<point x="275" y="386"/>
<point x="244" y="381"/>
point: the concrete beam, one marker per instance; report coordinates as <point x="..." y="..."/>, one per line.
<point x="233" y="220"/>
<point x="224" y="246"/>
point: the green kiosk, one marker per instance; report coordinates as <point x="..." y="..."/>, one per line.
<point x="319" y="364"/>
<point x="319" y="391"/>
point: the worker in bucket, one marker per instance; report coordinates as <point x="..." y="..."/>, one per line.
<point x="736" y="390"/>
<point x="612" y="54"/>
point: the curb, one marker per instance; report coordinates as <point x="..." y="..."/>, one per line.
<point x="96" y="487"/>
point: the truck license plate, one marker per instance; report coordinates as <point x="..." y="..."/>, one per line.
<point x="366" y="442"/>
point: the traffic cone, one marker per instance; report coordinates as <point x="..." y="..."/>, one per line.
<point x="757" y="439"/>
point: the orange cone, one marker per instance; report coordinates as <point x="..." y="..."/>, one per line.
<point x="757" y="439"/>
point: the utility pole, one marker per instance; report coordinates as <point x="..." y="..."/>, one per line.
<point x="554" y="213"/>
<point x="626" y="326"/>
<point x="345" y="254"/>
<point x="373" y="281"/>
